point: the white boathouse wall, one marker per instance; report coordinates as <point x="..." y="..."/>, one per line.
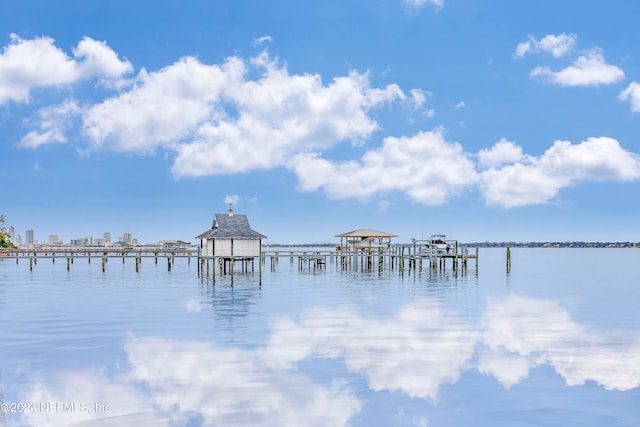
<point x="227" y="248"/>
<point x="246" y="247"/>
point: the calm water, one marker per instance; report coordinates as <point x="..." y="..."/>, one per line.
<point x="555" y="343"/>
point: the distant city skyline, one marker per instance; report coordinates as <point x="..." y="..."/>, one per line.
<point x="53" y="239"/>
<point x="127" y="238"/>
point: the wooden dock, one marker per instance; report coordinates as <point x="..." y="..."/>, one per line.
<point x="396" y="257"/>
<point x="101" y="254"/>
<point x="400" y="257"/>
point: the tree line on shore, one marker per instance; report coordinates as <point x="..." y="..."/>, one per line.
<point x="4" y="234"/>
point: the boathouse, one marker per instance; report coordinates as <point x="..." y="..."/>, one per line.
<point x="364" y="239"/>
<point x="230" y="236"/>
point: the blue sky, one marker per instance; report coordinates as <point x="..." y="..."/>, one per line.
<point x="484" y="120"/>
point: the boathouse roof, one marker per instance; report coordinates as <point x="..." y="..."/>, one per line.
<point x="230" y="226"/>
<point x="367" y="233"/>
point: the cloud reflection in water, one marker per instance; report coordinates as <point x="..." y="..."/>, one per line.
<point x="415" y="352"/>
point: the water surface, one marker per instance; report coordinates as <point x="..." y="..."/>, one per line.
<point x="556" y="342"/>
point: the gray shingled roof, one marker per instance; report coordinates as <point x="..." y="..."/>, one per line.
<point x="230" y="227"/>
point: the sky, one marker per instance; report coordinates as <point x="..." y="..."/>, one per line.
<point x="484" y="120"/>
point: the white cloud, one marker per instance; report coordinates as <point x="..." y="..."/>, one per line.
<point x="558" y="45"/>
<point x="502" y="152"/>
<point x="162" y="108"/>
<point x="431" y="170"/>
<point x="53" y="124"/>
<point x="417" y="4"/>
<point x="221" y="119"/>
<point x="632" y="94"/>
<point x="260" y="40"/>
<point x="29" y="64"/>
<point x="426" y="167"/>
<point x="418" y="97"/>
<point x="588" y="70"/>
<point x="232" y="199"/>
<point x="460" y="105"/>
<point x="518" y="185"/>
<point x="97" y="59"/>
<point x="218" y="121"/>
<point x="533" y="180"/>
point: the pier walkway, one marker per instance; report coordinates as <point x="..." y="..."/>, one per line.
<point x="397" y="256"/>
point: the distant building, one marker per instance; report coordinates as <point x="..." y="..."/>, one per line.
<point x="53" y="239"/>
<point x="173" y="244"/>
<point x="12" y="234"/>
<point x="107" y="237"/>
<point x="127" y="237"/>
<point x="28" y="236"/>
<point x="230" y="236"/>
<point x="18" y="240"/>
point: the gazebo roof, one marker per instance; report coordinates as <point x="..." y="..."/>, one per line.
<point x="367" y="233"/>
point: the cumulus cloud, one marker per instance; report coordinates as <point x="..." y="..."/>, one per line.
<point x="95" y="58"/>
<point x="163" y="108"/>
<point x="632" y="94"/>
<point x="558" y="45"/>
<point x="247" y="114"/>
<point x="218" y="121"/>
<point x="532" y="180"/>
<point x="36" y="63"/>
<point x="425" y="166"/>
<point x="503" y="151"/>
<point x="590" y="69"/>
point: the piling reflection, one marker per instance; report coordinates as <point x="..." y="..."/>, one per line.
<point x="415" y="352"/>
<point x="230" y="295"/>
